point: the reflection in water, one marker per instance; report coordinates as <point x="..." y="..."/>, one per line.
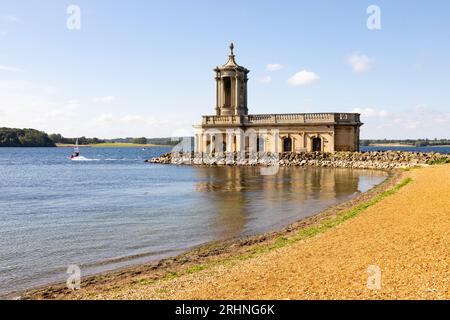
<point x="245" y="202"/>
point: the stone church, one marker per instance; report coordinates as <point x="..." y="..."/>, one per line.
<point x="233" y="129"/>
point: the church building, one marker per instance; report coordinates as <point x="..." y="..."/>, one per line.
<point x="233" y="129"/>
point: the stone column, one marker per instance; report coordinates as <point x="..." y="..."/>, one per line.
<point x="237" y="95"/>
<point x="229" y="141"/>
<point x="220" y="93"/>
<point x="196" y="143"/>
<point x="240" y="141"/>
<point x="331" y="141"/>
<point x="204" y="142"/>
<point x="217" y="96"/>
<point x="212" y="143"/>
<point x="245" y="96"/>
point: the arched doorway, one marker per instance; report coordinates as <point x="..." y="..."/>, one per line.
<point x="316" y="144"/>
<point x="287" y="145"/>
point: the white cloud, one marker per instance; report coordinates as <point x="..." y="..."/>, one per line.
<point x="422" y="109"/>
<point x="407" y="123"/>
<point x="8" y="68"/>
<point x="266" y="79"/>
<point x="104" y="99"/>
<point x="371" y="113"/>
<point x="135" y="125"/>
<point x="105" y="118"/>
<point x="420" y="121"/>
<point x="274" y="67"/>
<point x="65" y="111"/>
<point x="25" y="87"/>
<point x="431" y="115"/>
<point x="10" y="18"/>
<point x="303" y="78"/>
<point x="360" y="62"/>
<point x="133" y="118"/>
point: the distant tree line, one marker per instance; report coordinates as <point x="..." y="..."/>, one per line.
<point x="58" y="138"/>
<point x="11" y="137"/>
<point x="157" y="141"/>
<point x="411" y="142"/>
<point x="165" y="141"/>
<point x="141" y="140"/>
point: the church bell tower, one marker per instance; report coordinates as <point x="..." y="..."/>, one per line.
<point x="231" y="88"/>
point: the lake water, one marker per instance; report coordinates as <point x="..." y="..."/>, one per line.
<point x="116" y="210"/>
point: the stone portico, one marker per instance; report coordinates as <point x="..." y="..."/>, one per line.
<point x="232" y="129"/>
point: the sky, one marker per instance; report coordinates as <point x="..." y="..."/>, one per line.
<point x="145" y="68"/>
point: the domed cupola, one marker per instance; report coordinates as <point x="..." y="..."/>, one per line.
<point x="231" y="87"/>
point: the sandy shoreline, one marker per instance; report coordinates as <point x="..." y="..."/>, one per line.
<point x="207" y="254"/>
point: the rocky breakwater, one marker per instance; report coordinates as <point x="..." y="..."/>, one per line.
<point x="362" y="160"/>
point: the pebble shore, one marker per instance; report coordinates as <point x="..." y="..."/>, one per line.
<point x="357" y="160"/>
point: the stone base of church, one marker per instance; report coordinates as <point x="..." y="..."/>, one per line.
<point x="357" y="160"/>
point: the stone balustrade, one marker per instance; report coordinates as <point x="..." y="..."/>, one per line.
<point x="290" y="118"/>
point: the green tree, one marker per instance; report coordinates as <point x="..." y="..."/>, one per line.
<point x="141" y="140"/>
<point x="11" y="137"/>
<point x="56" y="137"/>
<point x="421" y="143"/>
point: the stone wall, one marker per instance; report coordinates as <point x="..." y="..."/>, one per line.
<point x="369" y="160"/>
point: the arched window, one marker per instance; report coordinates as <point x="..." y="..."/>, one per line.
<point x="287" y="145"/>
<point x="316" y="144"/>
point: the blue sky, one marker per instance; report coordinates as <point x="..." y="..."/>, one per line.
<point x="144" y="68"/>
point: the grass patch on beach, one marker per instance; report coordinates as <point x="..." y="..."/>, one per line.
<point x="195" y="268"/>
<point x="411" y="168"/>
<point x="442" y="160"/>
<point x="143" y="281"/>
<point x="171" y="276"/>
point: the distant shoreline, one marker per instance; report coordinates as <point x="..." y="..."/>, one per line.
<point x="112" y="145"/>
<point x="387" y="145"/>
<point x="390" y="145"/>
<point x="148" y="145"/>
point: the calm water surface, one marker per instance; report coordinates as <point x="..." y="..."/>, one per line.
<point x="116" y="210"/>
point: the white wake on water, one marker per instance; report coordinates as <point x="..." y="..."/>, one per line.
<point x="81" y="158"/>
